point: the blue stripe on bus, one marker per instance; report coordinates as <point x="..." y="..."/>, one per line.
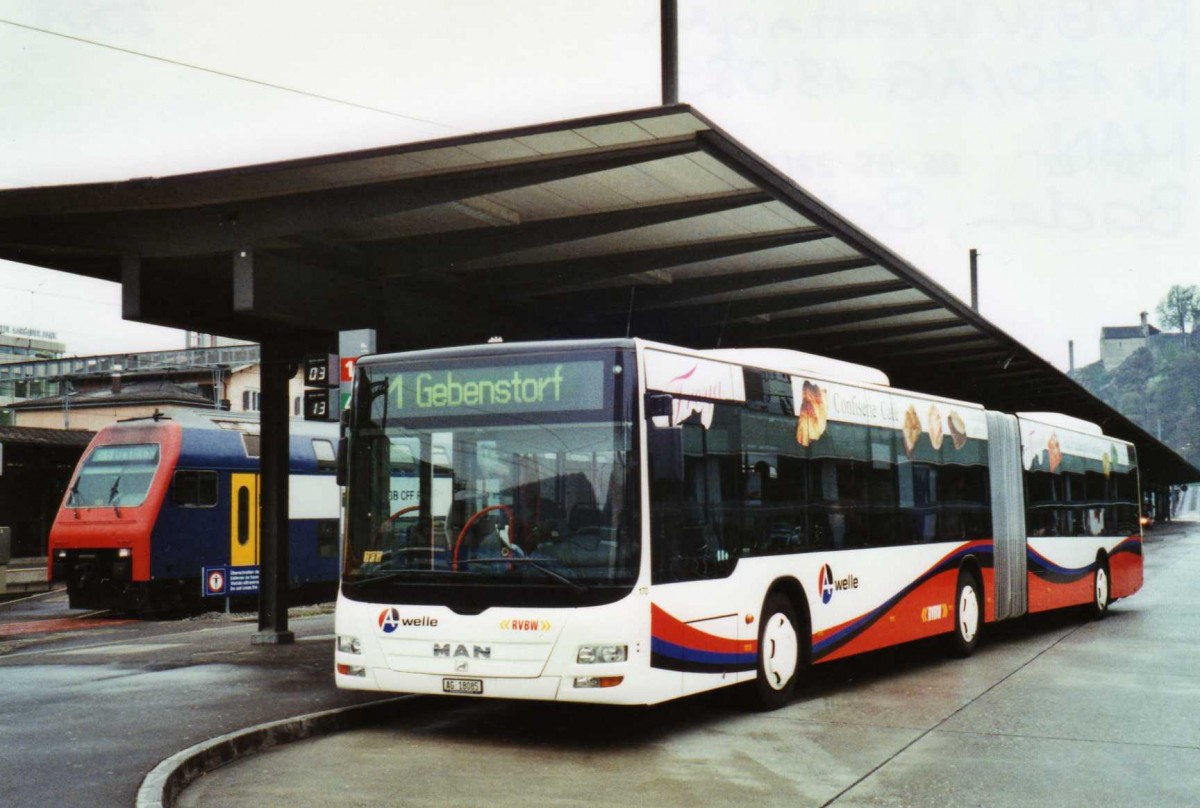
<point x="1043" y="567"/>
<point x="1047" y="570"/>
<point x="677" y="657"/>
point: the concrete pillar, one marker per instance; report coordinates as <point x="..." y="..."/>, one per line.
<point x="273" y="495"/>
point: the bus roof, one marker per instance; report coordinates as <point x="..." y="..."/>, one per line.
<point x="799" y="363"/>
<point x="1061" y="421"/>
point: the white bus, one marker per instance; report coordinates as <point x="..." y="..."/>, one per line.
<point x="627" y="522"/>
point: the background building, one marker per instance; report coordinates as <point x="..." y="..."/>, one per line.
<point x="59" y="392"/>
<point x="18" y="344"/>
<point x="1119" y="342"/>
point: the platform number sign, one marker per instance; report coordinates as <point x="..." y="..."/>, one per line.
<point x="318" y="405"/>
<point x="320" y="381"/>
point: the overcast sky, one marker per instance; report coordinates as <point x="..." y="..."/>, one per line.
<point x="1054" y="137"/>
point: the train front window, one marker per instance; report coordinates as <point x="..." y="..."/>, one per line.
<point x="536" y="495"/>
<point x="115" y="476"/>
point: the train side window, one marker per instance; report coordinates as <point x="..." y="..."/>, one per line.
<point x="326" y="455"/>
<point x="194" y="489"/>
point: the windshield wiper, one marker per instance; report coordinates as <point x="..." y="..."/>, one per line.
<point x="388" y="575"/>
<point x="113" y="494"/>
<point x="533" y="562"/>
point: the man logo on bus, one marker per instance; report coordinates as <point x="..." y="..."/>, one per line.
<point x="825" y="584"/>
<point x="389" y="619"/>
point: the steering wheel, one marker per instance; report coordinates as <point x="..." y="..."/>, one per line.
<point x="475" y="517"/>
<point x="395" y="516"/>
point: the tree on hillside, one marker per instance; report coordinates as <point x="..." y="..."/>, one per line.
<point x="1180" y="307"/>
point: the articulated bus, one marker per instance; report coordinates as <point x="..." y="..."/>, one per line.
<point x="627" y="522"/>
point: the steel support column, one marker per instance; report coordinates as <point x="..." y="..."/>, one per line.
<point x="273" y="468"/>
<point x="669" y="15"/>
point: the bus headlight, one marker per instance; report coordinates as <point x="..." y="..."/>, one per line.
<point x="351" y="670"/>
<point x="589" y="654"/>
<point x="349" y="645"/>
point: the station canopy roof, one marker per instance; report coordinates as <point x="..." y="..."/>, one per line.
<point x="651" y="223"/>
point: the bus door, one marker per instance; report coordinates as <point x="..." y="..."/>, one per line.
<point x="243" y="520"/>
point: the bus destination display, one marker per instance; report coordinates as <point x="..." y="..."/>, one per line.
<point x="561" y="386"/>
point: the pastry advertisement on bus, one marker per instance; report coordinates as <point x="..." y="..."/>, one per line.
<point x="938" y="425"/>
<point x="1054" y="448"/>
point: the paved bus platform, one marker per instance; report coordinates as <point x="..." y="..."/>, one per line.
<point x="1051" y="710"/>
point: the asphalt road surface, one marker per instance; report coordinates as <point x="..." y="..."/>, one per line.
<point x="89" y="704"/>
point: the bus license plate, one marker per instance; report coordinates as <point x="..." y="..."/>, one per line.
<point x="471" y="686"/>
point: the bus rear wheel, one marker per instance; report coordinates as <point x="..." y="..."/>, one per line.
<point x="968" y="617"/>
<point x="1101" y="591"/>
<point x="778" y="653"/>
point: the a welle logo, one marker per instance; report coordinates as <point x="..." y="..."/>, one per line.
<point x="827" y="584"/>
<point x="390" y="620"/>
<point x="448" y="389"/>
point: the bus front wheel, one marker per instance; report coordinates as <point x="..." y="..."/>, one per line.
<point x="778" y="653"/>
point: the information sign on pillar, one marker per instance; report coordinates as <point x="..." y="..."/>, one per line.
<point x="320" y="382"/>
<point x="351" y="346"/>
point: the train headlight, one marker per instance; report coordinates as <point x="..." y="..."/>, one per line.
<point x="124" y="552"/>
<point x="589" y="654"/>
<point x="349" y="645"/>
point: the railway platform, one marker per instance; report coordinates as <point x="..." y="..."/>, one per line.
<point x="23" y="576"/>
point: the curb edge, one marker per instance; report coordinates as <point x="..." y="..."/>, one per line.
<point x="164" y="782"/>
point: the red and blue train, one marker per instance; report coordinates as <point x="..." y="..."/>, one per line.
<point x="158" y="504"/>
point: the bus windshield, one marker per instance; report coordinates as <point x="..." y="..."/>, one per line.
<point x="455" y="486"/>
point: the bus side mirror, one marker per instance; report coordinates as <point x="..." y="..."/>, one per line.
<point x="664" y="446"/>
<point x="343" y="428"/>
<point x="341" y="461"/>
<point x="659" y="405"/>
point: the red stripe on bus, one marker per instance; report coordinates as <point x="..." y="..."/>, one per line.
<point x="666" y="627"/>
